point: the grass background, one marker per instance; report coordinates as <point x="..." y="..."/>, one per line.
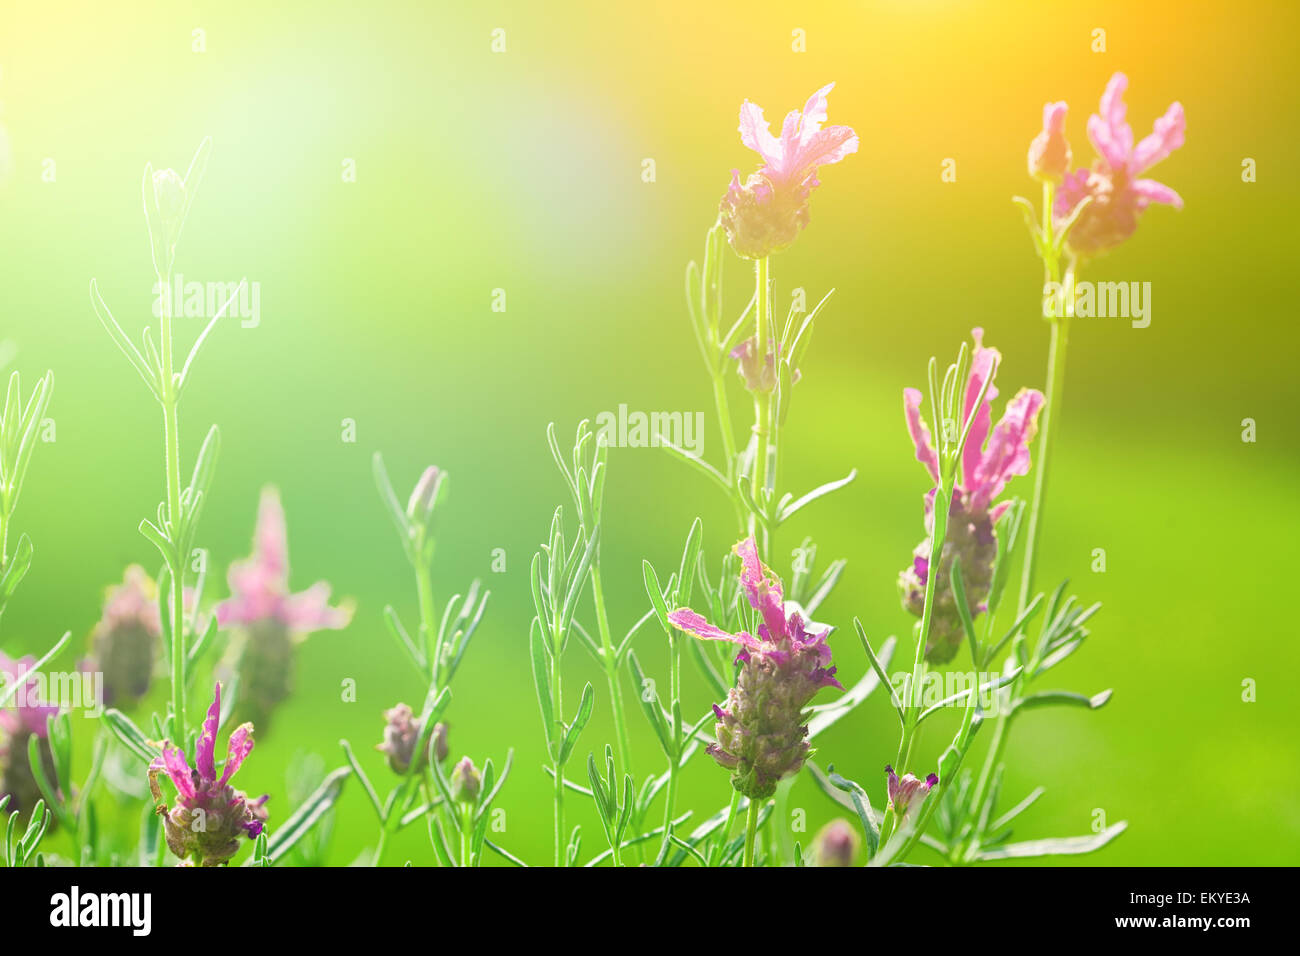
<point x="522" y="171"/>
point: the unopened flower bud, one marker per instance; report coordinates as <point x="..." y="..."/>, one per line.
<point x="424" y="496"/>
<point x="401" y="734"/>
<point x="465" y="781"/>
<point x="1049" y="153"/>
<point x="440" y="742"/>
<point x="169" y="194"/>
<point x="836" y="844"/>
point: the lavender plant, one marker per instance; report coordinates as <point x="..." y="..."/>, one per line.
<point x="752" y="633"/>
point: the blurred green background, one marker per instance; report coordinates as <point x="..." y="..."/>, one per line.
<point x="521" y="171"/>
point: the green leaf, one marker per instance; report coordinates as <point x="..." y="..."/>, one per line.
<point x="861" y="804"/>
<point x="127" y="347"/>
<point x="9" y="689"/>
<point x="651" y="708"/>
<point x="309" y="813"/>
<point x="1065" y="846"/>
<point x="391" y="504"/>
<point x="1064" y="698"/>
<point x="786" y="510"/>
<point x="656" y="594"/>
<point x="585" y="707"/>
<point x="879" y="668"/>
<point x="696" y="462"/>
<point x="542" y="683"/>
<point x="825" y="715"/>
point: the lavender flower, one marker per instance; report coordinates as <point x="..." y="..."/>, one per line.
<point x="210" y="815"/>
<point x="761" y="733"/>
<point x="124" y="644"/>
<point x="907" y="792"/>
<point x="765" y="213"/>
<point x="272" y="621"/>
<point x="24" y="718"/>
<point x="973" y="515"/>
<point x="1119" y="194"/>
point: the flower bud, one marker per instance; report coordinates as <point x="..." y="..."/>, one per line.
<point x="907" y="792"/>
<point x="836" y="844"/>
<point x="401" y="734"/>
<point x="125" y="641"/>
<point x="465" y="781"/>
<point x="440" y="742"/>
<point x="424" y="496"/>
<point x="1049" y="153"/>
<point x="169" y="195"/>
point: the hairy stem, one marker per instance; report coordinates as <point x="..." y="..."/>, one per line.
<point x="172" y="464"/>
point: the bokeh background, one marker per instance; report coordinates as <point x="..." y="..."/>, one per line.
<point x="521" y="171"/>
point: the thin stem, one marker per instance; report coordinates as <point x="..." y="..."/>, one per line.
<point x="728" y="440"/>
<point x="172" y="464"/>
<point x="611" y="669"/>
<point x="751" y="829"/>
<point x="674" y="760"/>
<point x="1060" y="337"/>
<point x="558" y="704"/>
<point x="428" y="617"/>
<point x="716" y="857"/>
<point x="762" y="398"/>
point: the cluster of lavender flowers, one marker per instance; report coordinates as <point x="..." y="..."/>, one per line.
<point x="755" y="642"/>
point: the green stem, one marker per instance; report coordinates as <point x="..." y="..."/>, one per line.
<point x="762" y="398"/>
<point x="172" y="464"/>
<point x="558" y="704"/>
<point x="716" y="857"/>
<point x="428" y="617"/>
<point x="728" y="441"/>
<point x="751" y="829"/>
<point x="674" y="760"/>
<point x="611" y="669"/>
<point x="466" y="824"/>
<point x="1060" y="337"/>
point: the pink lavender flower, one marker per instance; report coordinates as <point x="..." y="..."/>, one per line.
<point x="24" y="717"/>
<point x="124" y="643"/>
<point x="1049" y="153"/>
<point x="210" y="815"/>
<point x="1115" y="184"/>
<point x="989" y="461"/>
<point x="271" y="620"/>
<point x="765" y="213"/>
<point x="907" y="792"/>
<point x="761" y="735"/>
